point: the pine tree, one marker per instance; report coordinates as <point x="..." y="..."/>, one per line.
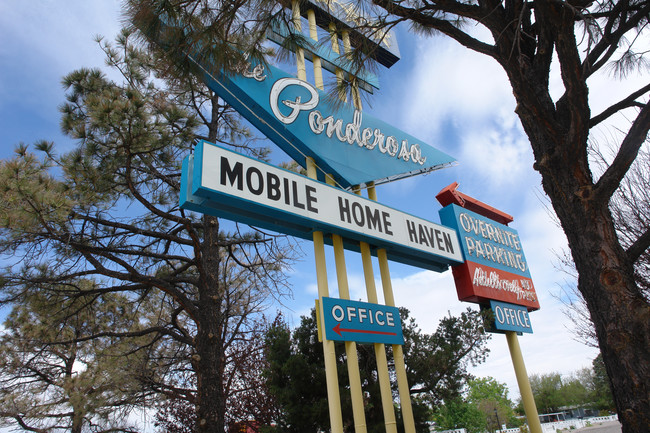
<point x="53" y="375"/>
<point x="108" y="210"/>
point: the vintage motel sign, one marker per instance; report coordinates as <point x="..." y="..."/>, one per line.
<point x="354" y="147"/>
<point x="224" y="183"/>
<point x="362" y="322"/>
<point x="495" y="275"/>
<point x="495" y="267"/>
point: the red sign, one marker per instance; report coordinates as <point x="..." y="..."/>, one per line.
<point x="480" y="284"/>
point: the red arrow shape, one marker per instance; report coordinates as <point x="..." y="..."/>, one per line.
<point x="338" y="330"/>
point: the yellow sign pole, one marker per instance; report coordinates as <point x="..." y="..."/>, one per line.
<point x="380" y="349"/>
<point x="356" y="391"/>
<point x="398" y="350"/>
<point x="300" y="53"/>
<point x="524" y="384"/>
<point x="328" y="346"/>
<point x="331" y="375"/>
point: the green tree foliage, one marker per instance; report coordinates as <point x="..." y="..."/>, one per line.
<point x="547" y="392"/>
<point x="53" y="377"/>
<point x="553" y="392"/>
<point x="483" y="400"/>
<point x="436" y="367"/>
<point x="459" y="413"/>
<point x="491" y="399"/>
<point x="437" y="363"/>
<point x="108" y="210"/>
<point x="540" y="43"/>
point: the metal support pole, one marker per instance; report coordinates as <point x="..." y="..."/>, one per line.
<point x="313" y="33"/>
<point x="356" y="392"/>
<point x="398" y="350"/>
<point x="380" y="349"/>
<point x="524" y="384"/>
<point x="300" y="53"/>
<point x="331" y="375"/>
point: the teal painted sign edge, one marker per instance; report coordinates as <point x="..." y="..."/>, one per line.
<point x="511" y="327"/>
<point x="351" y="164"/>
<point x="361" y="324"/>
<point x="247" y="212"/>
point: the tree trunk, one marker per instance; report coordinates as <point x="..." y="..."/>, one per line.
<point x="617" y="307"/>
<point x="208" y="360"/>
<point x="618" y="310"/>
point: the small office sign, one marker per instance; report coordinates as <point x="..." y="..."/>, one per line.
<point x="510" y="317"/>
<point x="361" y="322"/>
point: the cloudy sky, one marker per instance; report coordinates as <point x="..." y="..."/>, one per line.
<point x="452" y="99"/>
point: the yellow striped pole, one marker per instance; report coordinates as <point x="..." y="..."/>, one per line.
<point x="398" y="350"/>
<point x="380" y="349"/>
<point x="313" y="33"/>
<point x="356" y="96"/>
<point x="300" y="53"/>
<point x="356" y="391"/>
<point x="331" y="375"/>
<point x="530" y="408"/>
<point x="366" y="258"/>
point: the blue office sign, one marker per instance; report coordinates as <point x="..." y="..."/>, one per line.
<point x="362" y="322"/>
<point x="510" y="317"/>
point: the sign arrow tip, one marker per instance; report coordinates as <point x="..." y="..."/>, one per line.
<point x="337" y="329"/>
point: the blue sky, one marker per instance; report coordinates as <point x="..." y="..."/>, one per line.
<point x="444" y="95"/>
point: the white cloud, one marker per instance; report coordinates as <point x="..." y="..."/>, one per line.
<point x="453" y="85"/>
<point x="497" y="155"/>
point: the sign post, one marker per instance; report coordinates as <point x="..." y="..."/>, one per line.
<point x="530" y="408"/>
<point x="495" y="275"/>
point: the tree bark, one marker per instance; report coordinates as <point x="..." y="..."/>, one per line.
<point x="559" y="134"/>
<point x="208" y="360"/>
<point x="617" y="307"/>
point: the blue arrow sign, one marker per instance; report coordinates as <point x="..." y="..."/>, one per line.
<point x="362" y="322"/>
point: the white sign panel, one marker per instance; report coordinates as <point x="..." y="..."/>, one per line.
<point x="270" y="196"/>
